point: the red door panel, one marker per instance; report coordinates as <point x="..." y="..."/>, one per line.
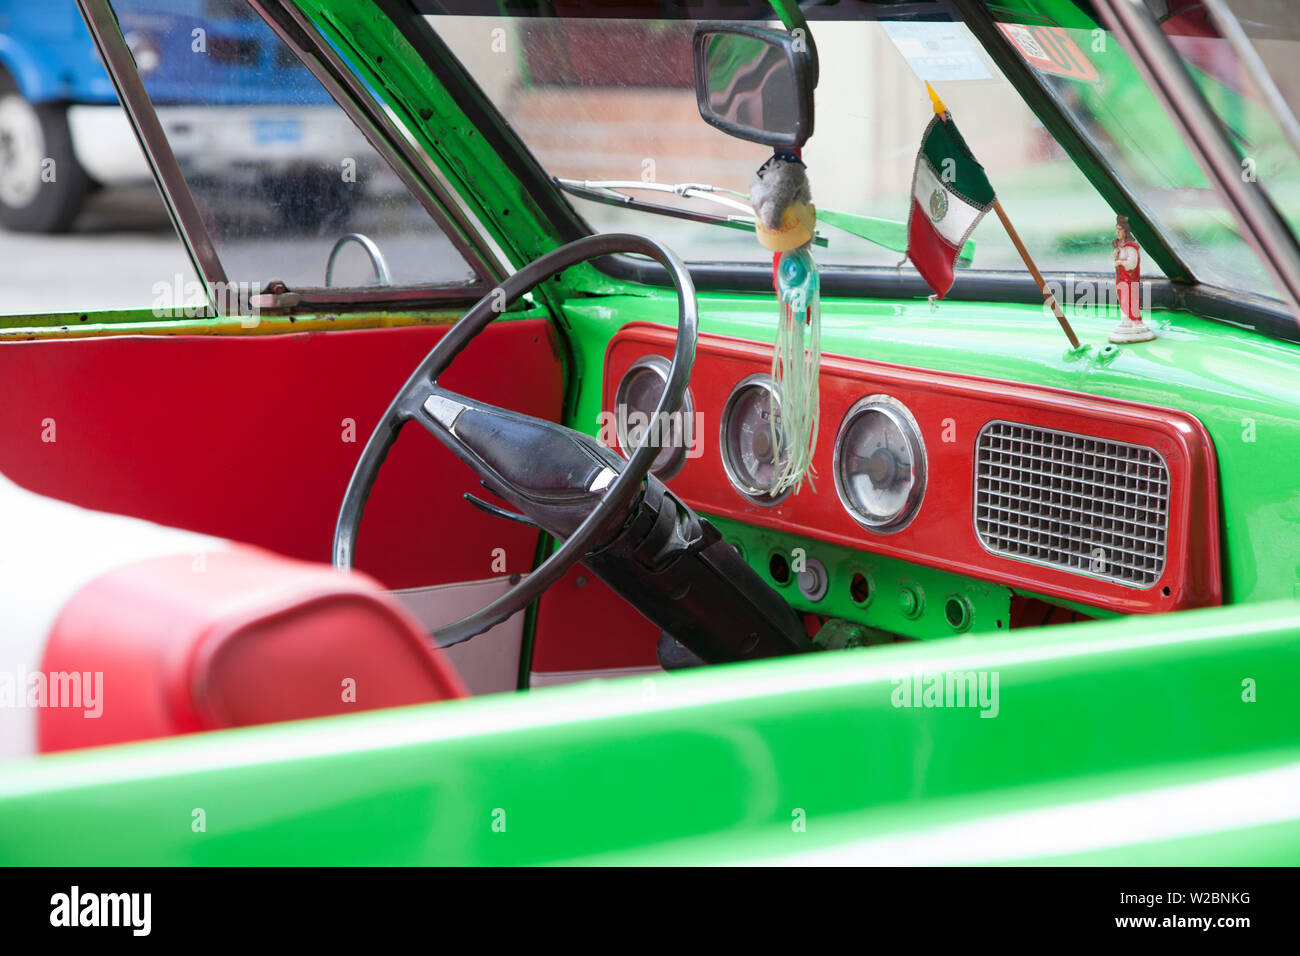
<point x="582" y="625"/>
<point x="254" y="438"/>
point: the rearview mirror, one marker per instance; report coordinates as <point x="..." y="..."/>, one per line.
<point x="755" y="83"/>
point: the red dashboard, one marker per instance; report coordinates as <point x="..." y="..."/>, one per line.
<point x="975" y="433"/>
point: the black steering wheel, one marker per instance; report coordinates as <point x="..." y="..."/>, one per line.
<point x="583" y="487"/>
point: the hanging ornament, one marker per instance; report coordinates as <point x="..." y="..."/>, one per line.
<point x="786" y="220"/>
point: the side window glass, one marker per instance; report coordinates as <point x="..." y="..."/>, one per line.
<point x="82" y="227"/>
<point x="279" y="171"/>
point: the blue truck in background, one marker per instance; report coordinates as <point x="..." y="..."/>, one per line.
<point x="231" y="98"/>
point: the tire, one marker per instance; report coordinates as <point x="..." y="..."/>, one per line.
<point x="42" y="186"/>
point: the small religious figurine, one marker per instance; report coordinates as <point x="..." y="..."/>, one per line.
<point x="1128" y="286"/>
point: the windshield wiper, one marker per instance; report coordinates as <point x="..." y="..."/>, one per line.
<point x="887" y="233"/>
<point x="607" y="191"/>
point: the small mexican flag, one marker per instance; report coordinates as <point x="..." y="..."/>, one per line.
<point x="950" y="195"/>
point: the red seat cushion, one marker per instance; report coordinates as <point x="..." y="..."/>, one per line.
<point x="230" y="638"/>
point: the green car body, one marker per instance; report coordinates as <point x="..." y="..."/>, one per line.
<point x="1161" y="739"/>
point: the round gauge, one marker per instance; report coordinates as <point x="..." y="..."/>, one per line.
<point x="748" y="452"/>
<point x="635" y="402"/>
<point x="880" y="464"/>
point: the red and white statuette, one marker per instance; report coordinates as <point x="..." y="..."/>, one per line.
<point x="1128" y="287"/>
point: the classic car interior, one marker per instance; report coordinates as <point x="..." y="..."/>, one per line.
<point x="973" y="473"/>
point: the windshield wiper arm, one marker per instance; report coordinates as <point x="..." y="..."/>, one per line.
<point x="607" y="191"/>
<point x="714" y="194"/>
<point x="887" y="233"/>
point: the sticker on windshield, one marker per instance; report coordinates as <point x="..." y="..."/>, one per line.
<point x="937" y="52"/>
<point x="1050" y="50"/>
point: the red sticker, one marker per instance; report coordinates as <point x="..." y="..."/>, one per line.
<point x="1050" y="50"/>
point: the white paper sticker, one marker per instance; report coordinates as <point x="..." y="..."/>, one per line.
<point x="937" y="52"/>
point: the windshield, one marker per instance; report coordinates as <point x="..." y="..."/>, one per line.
<point x="1249" y="78"/>
<point x="1090" y="76"/>
<point x="613" y="100"/>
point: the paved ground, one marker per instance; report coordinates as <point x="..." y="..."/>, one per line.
<point x="122" y="245"/>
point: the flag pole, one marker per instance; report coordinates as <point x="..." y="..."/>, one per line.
<point x="942" y="112"/>
<point x="1033" y="271"/>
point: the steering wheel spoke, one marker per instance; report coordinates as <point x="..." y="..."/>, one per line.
<point x="553" y="475"/>
<point x="437" y="410"/>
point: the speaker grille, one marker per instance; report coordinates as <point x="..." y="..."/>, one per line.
<point x="1076" y="502"/>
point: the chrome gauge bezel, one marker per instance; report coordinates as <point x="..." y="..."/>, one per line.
<point x="659" y="365"/>
<point x="756" y="495"/>
<point x="903" y="420"/>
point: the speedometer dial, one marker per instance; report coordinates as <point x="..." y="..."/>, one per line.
<point x="634" y="406"/>
<point x="748" y="452"/>
<point x="880" y="464"/>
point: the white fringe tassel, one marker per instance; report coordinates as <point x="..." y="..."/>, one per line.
<point x="796" y="368"/>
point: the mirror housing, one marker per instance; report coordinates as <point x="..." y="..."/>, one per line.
<point x="755" y="83"/>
